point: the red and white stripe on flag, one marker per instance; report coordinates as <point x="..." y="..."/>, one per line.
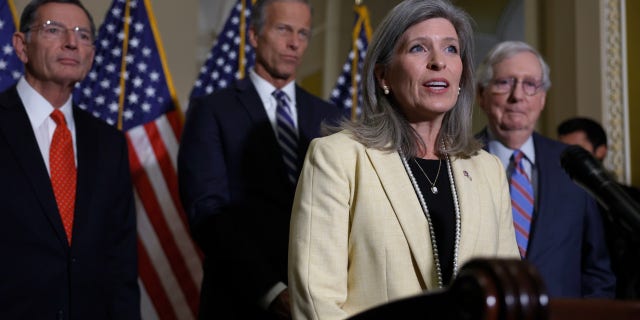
<point x="169" y="263"/>
<point x="129" y="86"/>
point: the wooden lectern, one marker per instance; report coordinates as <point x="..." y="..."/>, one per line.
<point x="499" y="289"/>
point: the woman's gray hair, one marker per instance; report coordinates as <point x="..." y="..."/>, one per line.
<point x="506" y="50"/>
<point x="382" y="125"/>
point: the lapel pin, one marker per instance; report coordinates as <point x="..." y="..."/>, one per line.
<point x="466" y="174"/>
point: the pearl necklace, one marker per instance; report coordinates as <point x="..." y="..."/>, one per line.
<point x="425" y="210"/>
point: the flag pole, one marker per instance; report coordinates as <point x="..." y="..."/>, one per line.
<point x="363" y="22"/>
<point x="243" y="30"/>
<point x="347" y="91"/>
<point x="123" y="64"/>
<point x="12" y="7"/>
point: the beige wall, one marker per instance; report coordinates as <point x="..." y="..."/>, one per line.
<point x="570" y="42"/>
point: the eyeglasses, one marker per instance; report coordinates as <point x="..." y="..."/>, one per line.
<point x="52" y="30"/>
<point x="506" y="85"/>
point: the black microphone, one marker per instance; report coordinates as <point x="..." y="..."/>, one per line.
<point x="588" y="173"/>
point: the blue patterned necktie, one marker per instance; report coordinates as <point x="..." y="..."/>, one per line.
<point x="287" y="135"/>
<point x="521" y="201"/>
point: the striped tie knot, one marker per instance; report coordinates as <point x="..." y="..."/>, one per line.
<point x="521" y="192"/>
<point x="287" y="135"/>
<point x="517" y="157"/>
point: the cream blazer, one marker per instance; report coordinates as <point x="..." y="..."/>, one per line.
<point x="359" y="237"/>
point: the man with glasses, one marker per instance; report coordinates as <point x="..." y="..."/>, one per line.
<point x="68" y="232"/>
<point x="558" y="225"/>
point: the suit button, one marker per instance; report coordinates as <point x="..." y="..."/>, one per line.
<point x="60" y="315"/>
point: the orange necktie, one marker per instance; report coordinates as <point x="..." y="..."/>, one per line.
<point x="63" y="171"/>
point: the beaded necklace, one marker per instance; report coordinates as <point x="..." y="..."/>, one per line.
<point x="425" y="210"/>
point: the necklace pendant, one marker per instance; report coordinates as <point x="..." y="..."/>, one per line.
<point x="434" y="190"/>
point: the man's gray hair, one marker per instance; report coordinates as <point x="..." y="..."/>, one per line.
<point x="506" y="50"/>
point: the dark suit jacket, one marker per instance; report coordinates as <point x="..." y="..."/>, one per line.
<point x="41" y="276"/>
<point x="566" y="241"/>
<point x="235" y="191"/>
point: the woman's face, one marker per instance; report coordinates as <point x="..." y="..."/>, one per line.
<point x="424" y="74"/>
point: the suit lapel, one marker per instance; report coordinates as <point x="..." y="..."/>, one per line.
<point x="545" y="190"/>
<point x="307" y="122"/>
<point x="470" y="219"/>
<point x="15" y="126"/>
<point x="270" y="149"/>
<point x="406" y="206"/>
<point x="250" y="100"/>
<point x="87" y="145"/>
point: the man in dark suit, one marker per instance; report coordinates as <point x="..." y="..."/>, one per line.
<point x="68" y="230"/>
<point x="238" y="163"/>
<point x="565" y="234"/>
<point x="622" y="240"/>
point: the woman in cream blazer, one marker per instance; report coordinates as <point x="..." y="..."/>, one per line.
<point x="359" y="237"/>
<point x="367" y="227"/>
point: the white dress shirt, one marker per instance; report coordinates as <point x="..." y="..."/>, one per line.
<point x="265" y="91"/>
<point x="39" y="112"/>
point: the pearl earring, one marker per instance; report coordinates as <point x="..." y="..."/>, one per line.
<point x="459" y="88"/>
<point x="385" y="88"/>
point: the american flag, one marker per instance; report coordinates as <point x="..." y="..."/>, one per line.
<point x="231" y="55"/>
<point x="11" y="67"/>
<point x="130" y="87"/>
<point x="347" y="94"/>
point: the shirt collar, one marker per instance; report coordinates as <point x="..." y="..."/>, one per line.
<point x="265" y="89"/>
<point x="504" y="153"/>
<point x="38" y="108"/>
